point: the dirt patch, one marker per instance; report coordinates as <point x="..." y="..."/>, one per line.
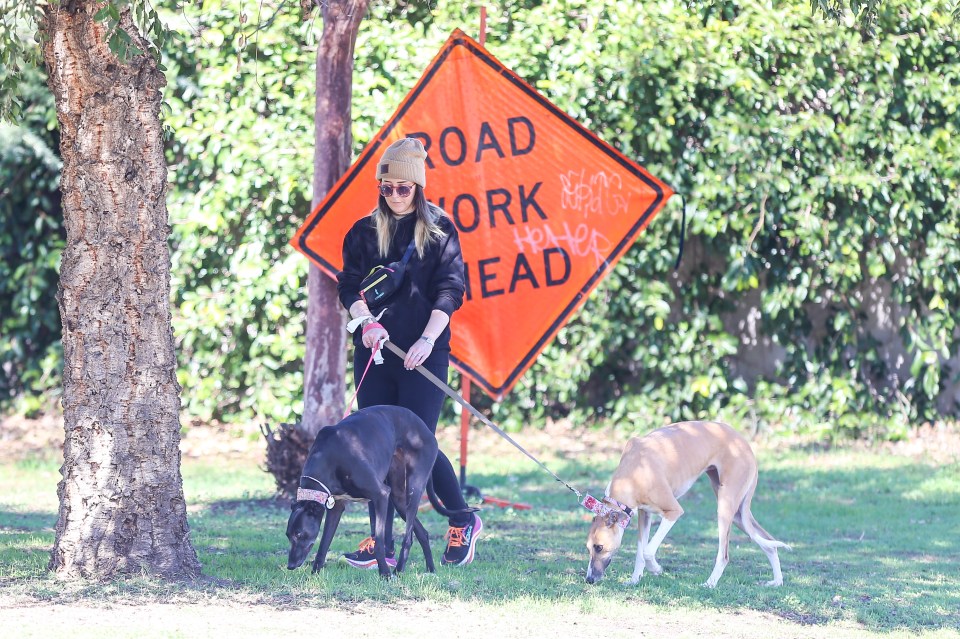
<point x="937" y="442"/>
<point x="414" y="621"/>
<point x="21" y="438"/>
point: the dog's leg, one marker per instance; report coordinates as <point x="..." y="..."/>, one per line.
<point x="424" y="538"/>
<point x="727" y="506"/>
<point x="650" y="553"/>
<point x="770" y="550"/>
<point x="414" y="526"/>
<point x="380" y="508"/>
<point x="672" y="511"/>
<point x="744" y="520"/>
<point x="643" y="521"/>
<point x="762" y="538"/>
<point x="329" y="529"/>
<point x="388" y="534"/>
<point x="408" y="513"/>
<point x="407" y="478"/>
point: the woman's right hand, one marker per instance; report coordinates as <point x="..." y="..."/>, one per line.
<point x="373" y="334"/>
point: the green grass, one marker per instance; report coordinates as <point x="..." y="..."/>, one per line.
<point x="876" y="547"/>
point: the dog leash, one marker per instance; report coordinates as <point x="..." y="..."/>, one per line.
<point x="373" y="356"/>
<point x="399" y="352"/>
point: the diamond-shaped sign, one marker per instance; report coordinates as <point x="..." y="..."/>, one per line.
<point x="544" y="208"/>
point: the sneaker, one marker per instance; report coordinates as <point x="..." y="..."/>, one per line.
<point x="364" y="557"/>
<point x="461" y="543"/>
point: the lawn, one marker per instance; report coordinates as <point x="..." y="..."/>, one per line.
<point x="875" y="538"/>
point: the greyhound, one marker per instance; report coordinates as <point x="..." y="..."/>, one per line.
<point x="377" y="454"/>
<point x="657" y="469"/>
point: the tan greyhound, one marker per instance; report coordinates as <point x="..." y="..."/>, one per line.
<point x="657" y="469"/>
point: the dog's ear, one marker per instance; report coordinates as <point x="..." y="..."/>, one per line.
<point x="614" y="517"/>
<point x="314" y="508"/>
<point x="300" y="505"/>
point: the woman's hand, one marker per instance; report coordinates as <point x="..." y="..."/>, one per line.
<point x="373" y="333"/>
<point x="418" y="353"/>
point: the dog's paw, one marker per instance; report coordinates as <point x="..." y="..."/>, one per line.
<point x="773" y="583"/>
<point x="652" y="566"/>
<point x="710" y="583"/>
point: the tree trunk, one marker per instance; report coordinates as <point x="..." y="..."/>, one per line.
<point x="122" y="509"/>
<point x="325" y="361"/>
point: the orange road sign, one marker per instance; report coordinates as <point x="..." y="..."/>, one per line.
<point x="544" y="208"/>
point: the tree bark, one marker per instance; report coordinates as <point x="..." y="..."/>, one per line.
<point x="326" y="348"/>
<point x="122" y="509"/>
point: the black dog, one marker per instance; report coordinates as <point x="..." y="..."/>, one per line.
<point x="378" y="454"/>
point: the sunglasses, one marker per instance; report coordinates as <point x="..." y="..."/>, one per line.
<point x="403" y="190"/>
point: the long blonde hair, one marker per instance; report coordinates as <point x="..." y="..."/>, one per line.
<point x="425" y="231"/>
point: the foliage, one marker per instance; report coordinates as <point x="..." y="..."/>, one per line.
<point x="240" y="106"/>
<point x="18" y="51"/>
<point x="31" y="239"/>
<point x="818" y="169"/>
<point x="814" y="164"/>
<point x="20" y="33"/>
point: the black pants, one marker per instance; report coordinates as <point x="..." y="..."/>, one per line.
<point x="390" y="383"/>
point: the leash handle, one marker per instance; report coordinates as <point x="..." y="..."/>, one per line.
<point x="460" y="400"/>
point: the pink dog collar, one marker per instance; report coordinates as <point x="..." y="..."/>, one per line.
<point x="598" y="507"/>
<point x="306" y="494"/>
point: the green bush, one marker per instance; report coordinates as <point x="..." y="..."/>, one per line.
<point x="818" y="168"/>
<point x="31" y="239"/>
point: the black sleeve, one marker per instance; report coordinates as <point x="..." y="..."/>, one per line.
<point x="448" y="279"/>
<point x="348" y="279"/>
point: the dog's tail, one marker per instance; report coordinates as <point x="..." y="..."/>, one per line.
<point x="764" y="539"/>
<point x="438" y="505"/>
<point x="753" y="528"/>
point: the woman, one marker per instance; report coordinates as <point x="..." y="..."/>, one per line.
<point x="416" y="318"/>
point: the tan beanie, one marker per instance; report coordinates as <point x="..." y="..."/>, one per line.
<point x="404" y="160"/>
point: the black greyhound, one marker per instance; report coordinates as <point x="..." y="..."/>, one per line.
<point x="377" y="454"/>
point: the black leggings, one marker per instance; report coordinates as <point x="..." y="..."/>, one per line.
<point x="390" y="383"/>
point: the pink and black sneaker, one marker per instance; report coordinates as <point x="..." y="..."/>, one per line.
<point x="364" y="557"/>
<point x="461" y="543"/>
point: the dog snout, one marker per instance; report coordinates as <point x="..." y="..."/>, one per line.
<point x="294" y="562"/>
<point x="593" y="574"/>
<point x="298" y="555"/>
<point x="597" y="567"/>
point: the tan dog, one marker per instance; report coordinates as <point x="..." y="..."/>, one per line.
<point x="660" y="467"/>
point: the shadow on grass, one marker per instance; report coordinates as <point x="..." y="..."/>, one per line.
<point x="26" y="539"/>
<point x="875" y="544"/>
<point x="880" y="546"/>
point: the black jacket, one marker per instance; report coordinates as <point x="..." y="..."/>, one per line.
<point x="434" y="282"/>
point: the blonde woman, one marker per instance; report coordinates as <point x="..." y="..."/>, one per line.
<point x="416" y="318"/>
